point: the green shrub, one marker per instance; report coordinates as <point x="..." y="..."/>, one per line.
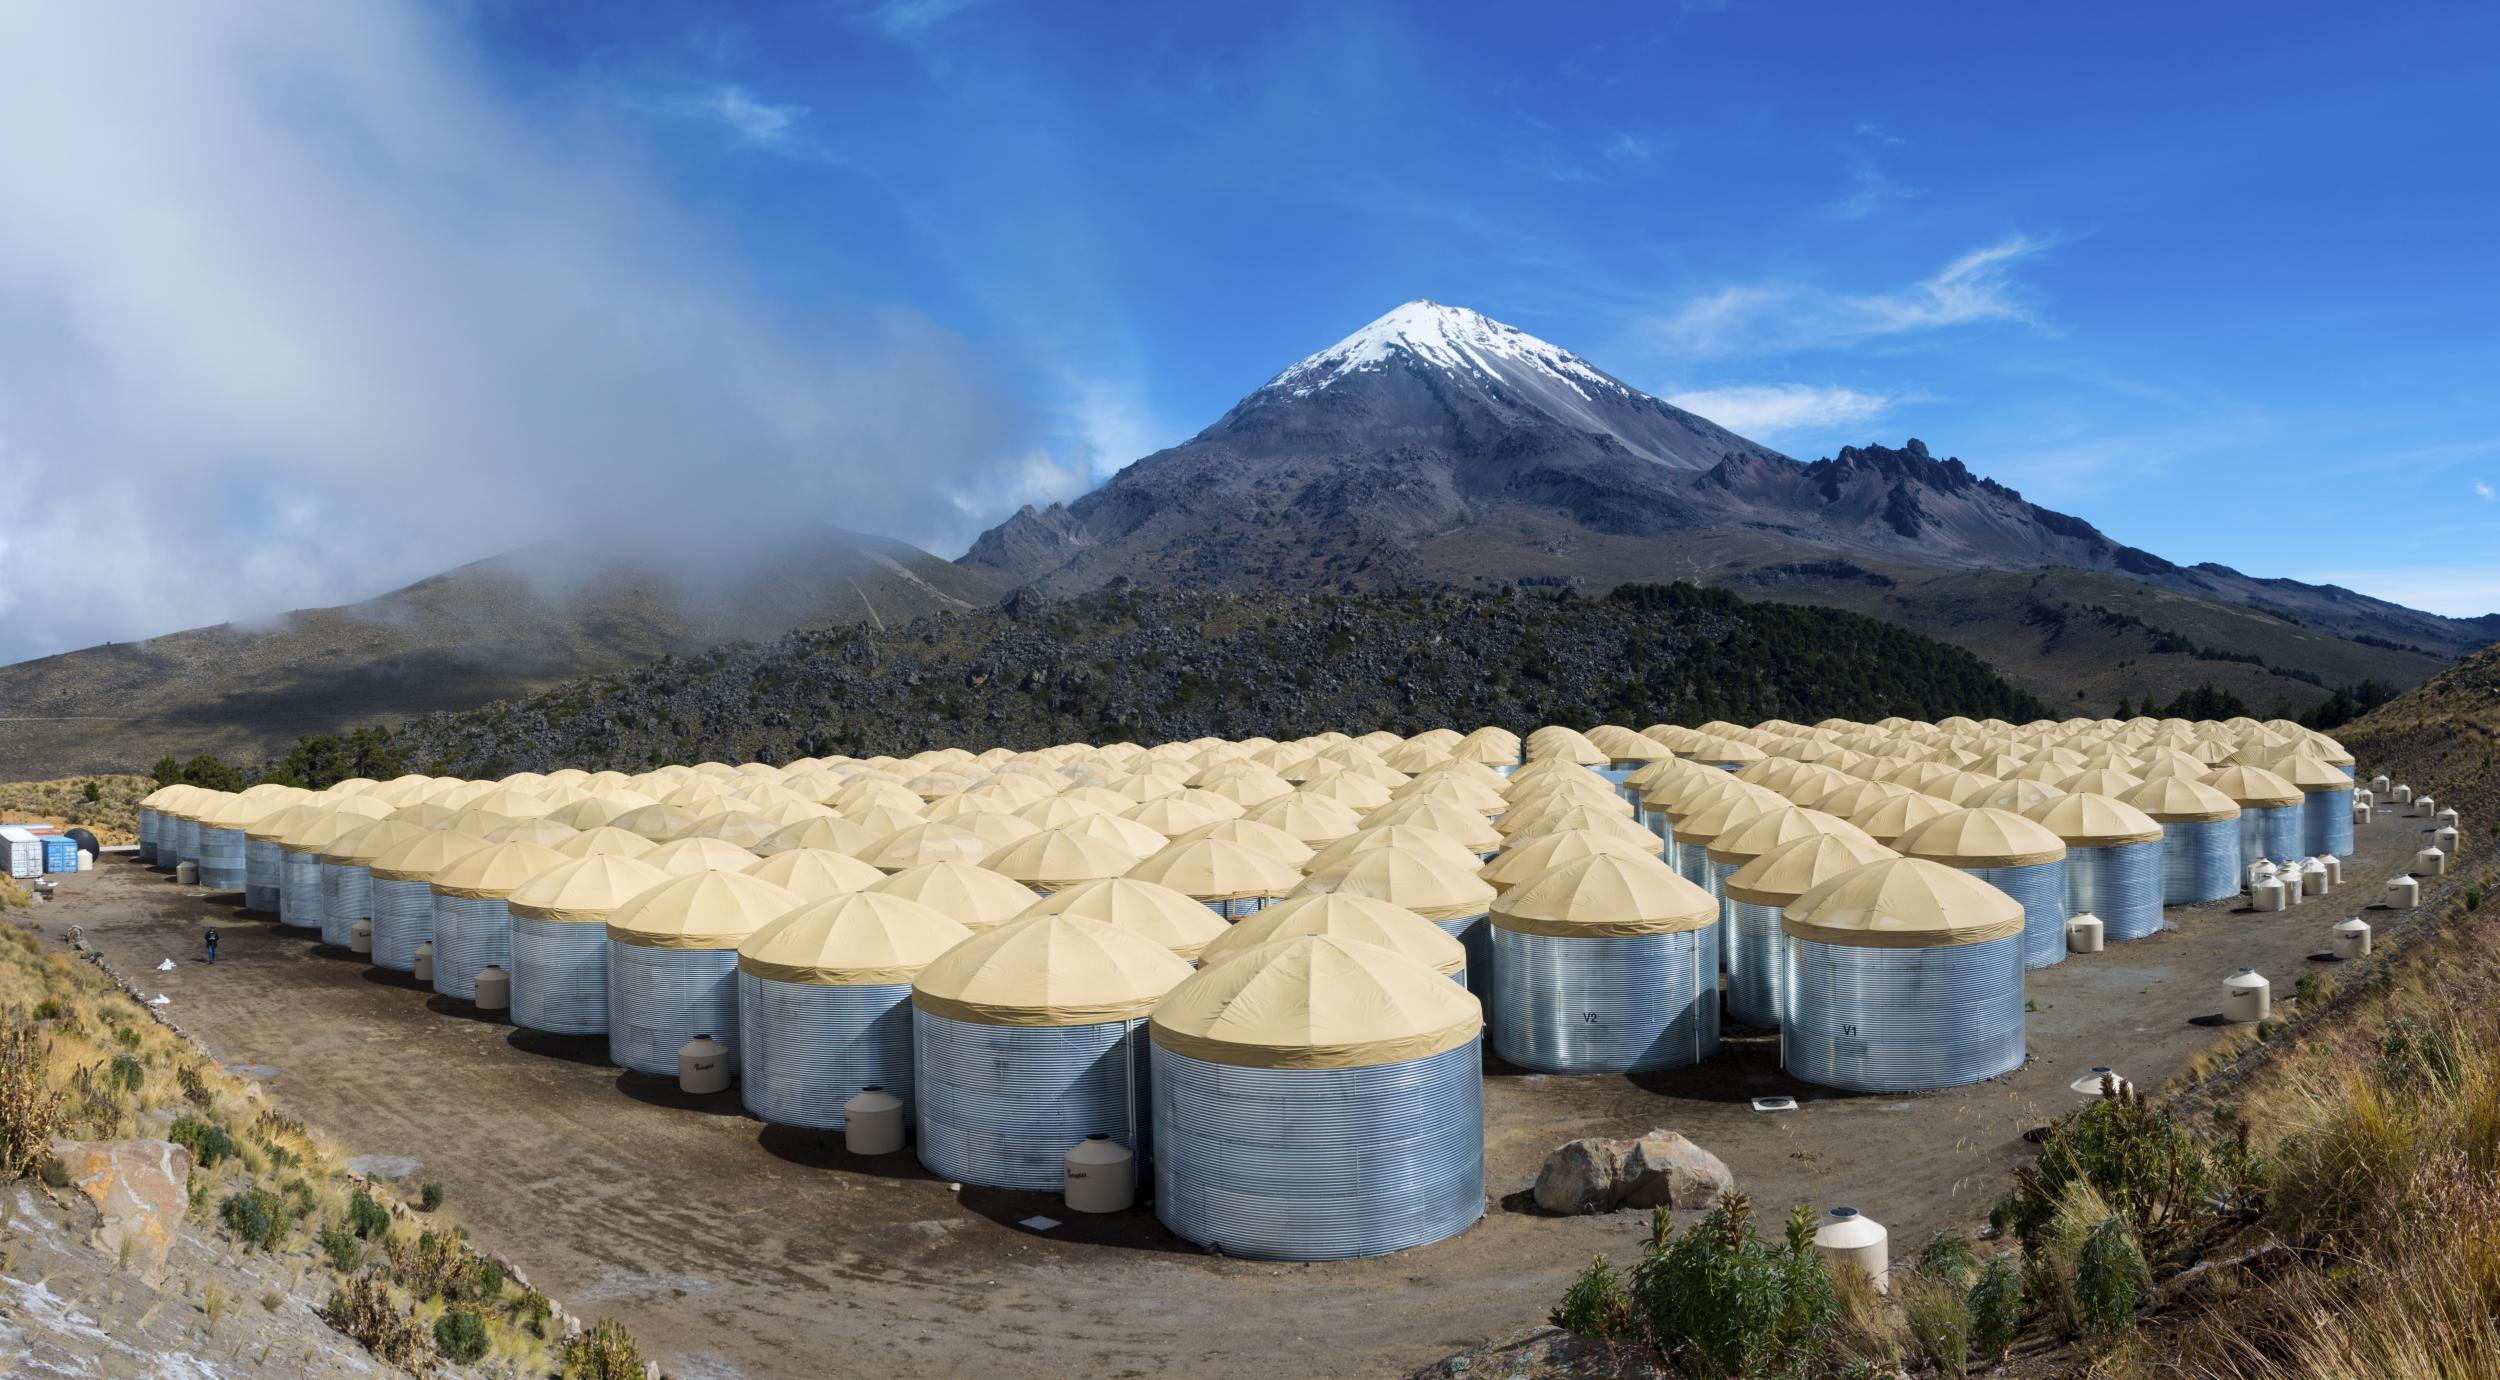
<point x="340" y="1247"/>
<point x="49" y="1009"/>
<point x="126" y="1037"/>
<point x="488" y="1285"/>
<point x="368" y="1218"/>
<point x="206" y="1140"/>
<point x="1996" y="1308"/>
<point x="532" y="1310"/>
<point x="2110" y="1279"/>
<point x="429" y="1197"/>
<point x="1948" y="1256"/>
<point x="2127" y="1151"/>
<point x="605" y="1352"/>
<point x="1721" y="1300"/>
<point x="460" y="1334"/>
<point x="256" y="1215"/>
<point x="1595" y="1304"/>
<point x="299" y="1199"/>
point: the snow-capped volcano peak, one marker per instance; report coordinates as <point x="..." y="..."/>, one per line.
<point x="1450" y="338"/>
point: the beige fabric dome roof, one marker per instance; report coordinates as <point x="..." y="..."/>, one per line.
<point x="1533" y="857"/>
<point x="1982" y="838"/>
<point x="1169" y="918"/>
<point x="1311" y="820"/>
<point x="1316" y="1001"/>
<point x="2255" y="787"/>
<point x="1250" y="833"/>
<point x="2310" y="774"/>
<point x="1604" y="895"/>
<point x="2181" y="800"/>
<point x="496" y="871"/>
<point x="360" y="846"/>
<point x="915" y="844"/>
<point x="829" y="832"/>
<point x="1218" y="870"/>
<point x="2108" y="781"/>
<point x="1790" y="870"/>
<point x="971" y="896"/>
<point x="241" y="812"/>
<point x="1887" y="819"/>
<point x="2094" y="821"/>
<point x="1414" y="836"/>
<point x="659" y="823"/>
<point x="858" y="939"/>
<point x="606" y="839"/>
<point x="1056" y="858"/>
<point x="1744" y="842"/>
<point x="1348" y="917"/>
<point x="1903" y="903"/>
<point x="1423" y="882"/>
<point x="686" y="856"/>
<point x="1048" y="970"/>
<point x="419" y="859"/>
<point x="585" y="891"/>
<point x="1704" y="826"/>
<point x="814" y="874"/>
<point x="2017" y="794"/>
<point x="1471" y="829"/>
<point x="704" y="910"/>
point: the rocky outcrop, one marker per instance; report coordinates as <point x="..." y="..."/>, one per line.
<point x="1660" y="1169"/>
<point x="140" y="1188"/>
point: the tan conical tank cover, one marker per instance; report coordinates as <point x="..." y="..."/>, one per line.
<point x="1887" y="819"/>
<point x="241" y="812"/>
<point x="1218" y="870"/>
<point x="605" y="839"/>
<point x="1056" y="858"/>
<point x="1704" y="826"/>
<point x="1716" y="752"/>
<point x="600" y="810"/>
<point x="1796" y="867"/>
<point x="1982" y="838"/>
<point x="1533" y="857"/>
<point x="1250" y="833"/>
<point x="2017" y="793"/>
<point x="509" y="803"/>
<point x="1903" y="903"/>
<point x="542" y="831"/>
<point x="1424" y="882"/>
<point x="1415" y="836"/>
<point x="1606" y="895"/>
<point x="1466" y="792"/>
<point x="2181" y="800"/>
<point x="857" y="939"/>
<point x="743" y="827"/>
<point x="1311" y="820"/>
<point x="1487" y="744"/>
<point x="1120" y="832"/>
<point x="915" y="844"/>
<point x="585" y="891"/>
<point x="815" y="874"/>
<point x="2310" y="773"/>
<point x="829" y="832"/>
<point x="971" y="896"/>
<point x="688" y="856"/>
<point x="497" y="870"/>
<point x="2253" y="787"/>
<point x="1845" y="801"/>
<point x="420" y="858"/>
<point x="1316" y="1001"/>
<point x="323" y="831"/>
<point x="1049" y="970"/>
<point x="1349" y="917"/>
<point x="2094" y="821"/>
<point x="1472" y="830"/>
<point x="1680" y="796"/>
<point x="2106" y="781"/>
<point x="1174" y="815"/>
<point x="995" y="827"/>
<point x="706" y="910"/>
<point x="1169" y="918"/>
<point x="659" y="823"/>
<point x="1555" y="797"/>
<point x="1751" y="839"/>
<point x="360" y="846"/>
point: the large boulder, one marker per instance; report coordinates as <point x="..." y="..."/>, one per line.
<point x="1660" y="1169"/>
<point x="141" y="1189"/>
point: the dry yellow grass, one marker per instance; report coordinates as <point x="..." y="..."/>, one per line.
<point x="113" y="815"/>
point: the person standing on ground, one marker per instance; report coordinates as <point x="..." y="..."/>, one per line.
<point x="212" y="943"/>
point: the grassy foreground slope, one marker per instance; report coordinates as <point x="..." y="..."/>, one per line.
<point x="1121" y="663"/>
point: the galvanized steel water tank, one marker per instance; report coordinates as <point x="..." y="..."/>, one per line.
<point x="1901" y="976"/>
<point x="186" y="824"/>
<point x="1029" y="1037"/>
<point x="1606" y="965"/>
<point x="2113" y="861"/>
<point x="824" y="1005"/>
<point x="1318" y="1099"/>
<point x="1756" y="894"/>
<point x="1231" y="879"/>
<point x="403" y="894"/>
<point x="2270" y="812"/>
<point x="2200" y="855"/>
<point x="1348" y="916"/>
<point x="1427" y="883"/>
<point x="303" y="896"/>
<point x="2023" y="859"/>
<point x="2325" y="803"/>
<point x="262" y="871"/>
<point x="560" y="940"/>
<point x="673" y="964"/>
<point x="221" y="846"/>
<point x="347" y="875"/>
<point x="472" y="925"/>
<point x="1697" y="831"/>
<point x="1742" y="843"/>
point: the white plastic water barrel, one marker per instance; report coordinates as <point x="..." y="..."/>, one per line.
<point x="703" y="1066"/>
<point x="2431" y="862"/>
<point x="872" y="1122"/>
<point x="2352" y="939"/>
<point x="1851" y="1240"/>
<point x="2403" y="893"/>
<point x="2246" y="996"/>
<point x="494" y="989"/>
<point x="2314" y="880"/>
<point x="2334" y="869"/>
<point x="2083" y="934"/>
<point x="2378" y="784"/>
<point x="421" y="967"/>
<point x="2445" y="840"/>
<point x="2361" y="812"/>
<point x="1101" y="1176"/>
<point x="2268" y="896"/>
<point x="2424" y="807"/>
<point x="360" y="939"/>
<point x="2399" y="794"/>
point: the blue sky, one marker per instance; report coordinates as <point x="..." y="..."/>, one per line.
<point x="2218" y="278"/>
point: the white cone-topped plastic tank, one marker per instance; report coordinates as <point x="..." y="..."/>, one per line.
<point x="1145" y="909"/>
<point x="1318" y="1099"/>
<point x="872" y="1123"/>
<point x="1029" y="1037"/>
<point x="1100" y="1175"/>
<point x="703" y="1066"/>
<point x="1231" y="879"/>
<point x="2246" y="996"/>
<point x="1606" y="965"/>
<point x="472" y="923"/>
<point x="1756" y="894"/>
<point x="1902" y="976"/>
<point x="403" y="894"/>
<point x="2424" y="807"/>
<point x="2404" y="893"/>
<point x="2431" y="861"/>
<point x="1849" y="1240"/>
<point x="2352" y="939"/>
<point x="824" y="1005"/>
<point x="2025" y="860"/>
<point x="2113" y="861"/>
<point x="1346" y="916"/>
<point x="560" y="940"/>
<point x="2271" y="822"/>
<point x="1429" y="884"/>
<point x="673" y="965"/>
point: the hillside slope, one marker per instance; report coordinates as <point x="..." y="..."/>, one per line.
<point x="2442" y="737"/>
<point x="1151" y="666"/>
<point x="491" y="630"/>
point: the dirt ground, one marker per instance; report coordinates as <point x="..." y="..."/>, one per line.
<point x="733" y="1249"/>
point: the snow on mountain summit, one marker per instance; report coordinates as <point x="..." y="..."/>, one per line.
<point x="1449" y="338"/>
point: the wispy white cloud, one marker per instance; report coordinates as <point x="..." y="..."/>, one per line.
<point x="1765" y="318"/>
<point x="1624" y="147"/>
<point x="913" y="18"/>
<point x="1776" y="409"/>
<point x="2485" y="492"/>
<point x="1878" y="134"/>
<point x="753" y="120"/>
<point x="1870" y="191"/>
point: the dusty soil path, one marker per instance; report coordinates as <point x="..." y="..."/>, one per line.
<point x="733" y="1249"/>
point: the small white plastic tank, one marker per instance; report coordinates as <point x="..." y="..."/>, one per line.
<point x="422" y="968"/>
<point x="2094" y="1079"/>
<point x="2378" y="784"/>
<point x="2424" y="807"/>
<point x="2334" y="869"/>
<point x="2431" y="862"/>
<point x="360" y="938"/>
<point x="1101" y="1176"/>
<point x="2289" y="876"/>
<point x="187" y="873"/>
<point x="2352" y="939"/>
<point x="2084" y="934"/>
<point x="2364" y="797"/>
<point x="1850" y="1240"/>
<point x="2314" y="880"/>
<point x="703" y="1066"/>
<point x="2361" y="812"/>
<point x="2268" y="896"/>
<point x="2399" y="794"/>
<point x="2403" y="893"/>
<point x="2246" y="996"/>
<point x="872" y="1122"/>
<point x="494" y="989"/>
<point x="2259" y="871"/>
<point x="2446" y="818"/>
<point x="2445" y="840"/>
